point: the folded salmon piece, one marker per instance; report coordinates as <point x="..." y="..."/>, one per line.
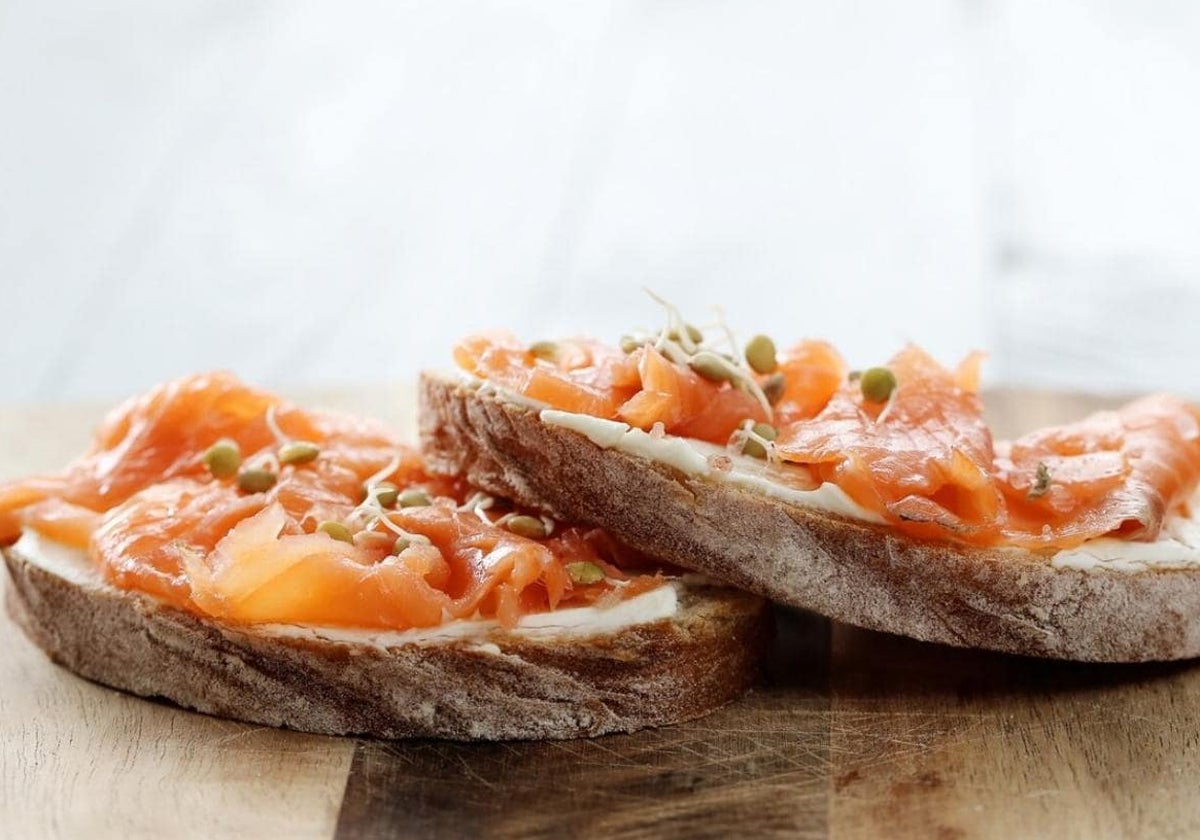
<point x="324" y="520"/>
<point x="922" y="458"/>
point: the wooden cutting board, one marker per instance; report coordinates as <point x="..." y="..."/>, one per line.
<point x="853" y="734"/>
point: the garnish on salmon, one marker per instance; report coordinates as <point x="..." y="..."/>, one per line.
<point x="229" y="502"/>
<point x="906" y="441"/>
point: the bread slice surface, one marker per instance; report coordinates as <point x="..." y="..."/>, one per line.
<point x="854" y="571"/>
<point x="490" y="685"/>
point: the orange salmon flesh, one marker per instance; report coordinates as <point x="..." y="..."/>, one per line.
<point x="154" y="518"/>
<point x="923" y="460"/>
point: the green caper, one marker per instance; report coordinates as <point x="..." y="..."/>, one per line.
<point x="629" y="344"/>
<point x="414" y="497"/>
<point x="223" y="458"/>
<point x="386" y="494"/>
<point x="693" y="333"/>
<point x="753" y="447"/>
<point x="711" y="366"/>
<point x="877" y="384"/>
<point x="400" y="544"/>
<point x="585" y="573"/>
<point x="760" y="354"/>
<point x="336" y="530"/>
<point x="765" y="431"/>
<point x="527" y="526"/>
<point x="298" y="452"/>
<point x="256" y="480"/>
<point x="773" y="387"/>
<point x="547" y="350"/>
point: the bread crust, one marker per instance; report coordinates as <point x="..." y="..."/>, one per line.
<point x="495" y="687"/>
<point x="857" y="572"/>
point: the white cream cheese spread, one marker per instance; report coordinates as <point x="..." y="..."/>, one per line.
<point x="692" y="457"/>
<point x="1177" y="546"/>
<point x="662" y="602"/>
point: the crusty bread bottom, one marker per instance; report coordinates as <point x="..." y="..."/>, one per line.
<point x="1006" y="600"/>
<point x="495" y="687"/>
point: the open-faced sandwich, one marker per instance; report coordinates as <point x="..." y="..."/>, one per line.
<point x="876" y="497"/>
<point x="244" y="557"/>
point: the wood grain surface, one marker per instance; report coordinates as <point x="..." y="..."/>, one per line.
<point x="853" y="734"/>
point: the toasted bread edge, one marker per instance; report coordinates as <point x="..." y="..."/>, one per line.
<point x="1007" y="600"/>
<point x="496" y="687"/>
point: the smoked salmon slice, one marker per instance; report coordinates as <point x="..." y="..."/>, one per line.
<point x="684" y="402"/>
<point x="643" y="387"/>
<point x="354" y="533"/>
<point x="812" y="371"/>
<point x="1116" y="472"/>
<point x="921" y="458"/>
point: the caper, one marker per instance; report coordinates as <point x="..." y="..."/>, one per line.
<point x="754" y="447"/>
<point x="773" y="387"/>
<point x="760" y="354"/>
<point x="693" y="333"/>
<point x="336" y="530"/>
<point x="765" y="431"/>
<point x="547" y="350"/>
<point x="414" y="497"/>
<point x="386" y="494"/>
<point x="298" y="452"/>
<point x="256" y="480"/>
<point x="223" y="458"/>
<point x="585" y="573"/>
<point x="527" y="526"/>
<point x="711" y="366"/>
<point x="877" y="384"/>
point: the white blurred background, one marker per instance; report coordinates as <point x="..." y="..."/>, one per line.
<point x="308" y="192"/>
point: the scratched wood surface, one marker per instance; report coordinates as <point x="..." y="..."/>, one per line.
<point x="852" y="734"/>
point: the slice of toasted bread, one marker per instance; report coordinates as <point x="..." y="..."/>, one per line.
<point x="488" y="684"/>
<point x="850" y="570"/>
